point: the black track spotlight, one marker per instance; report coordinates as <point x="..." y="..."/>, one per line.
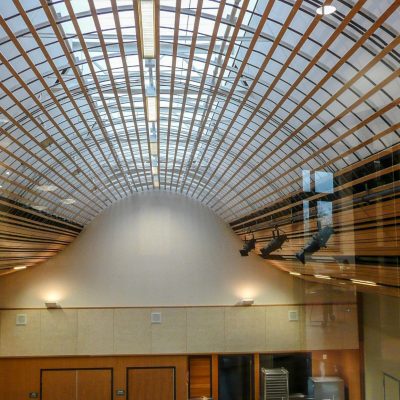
<point x="318" y="240"/>
<point x="248" y="246"/>
<point x="278" y="238"/>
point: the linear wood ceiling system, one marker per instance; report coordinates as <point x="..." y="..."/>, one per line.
<point x="249" y="94"/>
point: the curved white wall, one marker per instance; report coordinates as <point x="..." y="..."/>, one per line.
<point x="152" y="249"/>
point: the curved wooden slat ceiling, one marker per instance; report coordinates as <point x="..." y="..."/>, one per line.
<point x="250" y="93"/>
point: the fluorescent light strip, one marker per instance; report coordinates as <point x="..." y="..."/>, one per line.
<point x="151" y="105"/>
<point x="295" y="273"/>
<point x="323" y="276"/>
<point x="367" y="283"/>
<point x="153" y="148"/>
<point x="147" y="28"/>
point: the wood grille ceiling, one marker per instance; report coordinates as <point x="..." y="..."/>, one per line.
<point x="249" y="93"/>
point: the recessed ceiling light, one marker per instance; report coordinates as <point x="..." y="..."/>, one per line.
<point x="68" y="201"/>
<point x="326" y="10"/>
<point x="39" y="207"/>
<point x="147" y="28"/>
<point x="19" y="267"/>
<point x="47" y="188"/>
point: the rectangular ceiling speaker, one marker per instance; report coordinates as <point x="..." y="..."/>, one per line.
<point x="293" y="315"/>
<point x="156" y="318"/>
<point x="21" y="319"/>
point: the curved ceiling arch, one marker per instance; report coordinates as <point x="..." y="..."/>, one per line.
<point x="228" y="132"/>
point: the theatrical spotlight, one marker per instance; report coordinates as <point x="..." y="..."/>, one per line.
<point x="248" y="246"/>
<point x="318" y="240"/>
<point x="278" y="238"/>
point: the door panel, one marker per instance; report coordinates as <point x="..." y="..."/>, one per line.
<point x="77" y="384"/>
<point x="151" y="383"/>
<point x="59" y="385"/>
<point x="94" y="384"/>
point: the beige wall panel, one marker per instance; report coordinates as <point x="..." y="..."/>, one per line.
<point x="132" y="331"/>
<point x="245" y="329"/>
<point x="18" y="340"/>
<point x="282" y="334"/>
<point x="205" y="330"/>
<point x="58" y="332"/>
<point x="169" y="336"/>
<point x="96" y="331"/>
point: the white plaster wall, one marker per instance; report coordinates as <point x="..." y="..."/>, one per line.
<point x="152" y="249"/>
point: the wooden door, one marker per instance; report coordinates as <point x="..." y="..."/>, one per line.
<point x="59" y="385"/>
<point x="77" y="384"/>
<point x="152" y="383"/>
<point x="94" y="384"/>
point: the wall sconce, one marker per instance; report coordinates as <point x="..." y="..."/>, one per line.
<point x="52" y="305"/>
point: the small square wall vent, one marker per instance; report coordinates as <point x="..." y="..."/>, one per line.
<point x="293" y="315"/>
<point x="156" y="318"/>
<point x="21" y="319"/>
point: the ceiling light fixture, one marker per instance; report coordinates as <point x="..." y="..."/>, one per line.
<point x="147" y="28"/>
<point x="151" y="105"/>
<point x="68" y="201"/>
<point x="294" y="273"/>
<point x="248" y="246"/>
<point x="47" y="188"/>
<point x="278" y="238"/>
<point x="361" y="282"/>
<point x="39" y="207"/>
<point x="153" y="148"/>
<point x="326" y="10"/>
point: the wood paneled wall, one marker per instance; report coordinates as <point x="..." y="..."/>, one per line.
<point x="20" y="376"/>
<point x="200" y="373"/>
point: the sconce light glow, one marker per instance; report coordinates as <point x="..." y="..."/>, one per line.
<point x="52" y="296"/>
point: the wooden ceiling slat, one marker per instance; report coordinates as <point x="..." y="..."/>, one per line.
<point x="50" y="93"/>
<point x="201" y="160"/>
<point x="330" y="73"/>
<point x="129" y="89"/>
<point x="172" y="89"/>
<point x="81" y="85"/>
